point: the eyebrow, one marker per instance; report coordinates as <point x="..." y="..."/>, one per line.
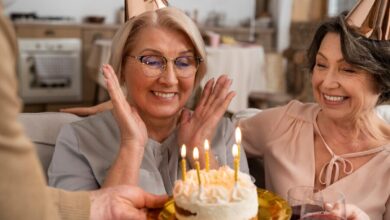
<point x="338" y="61"/>
<point x="159" y="52"/>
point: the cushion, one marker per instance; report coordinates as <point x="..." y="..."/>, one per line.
<point x="43" y="128"/>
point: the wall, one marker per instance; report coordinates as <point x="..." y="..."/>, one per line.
<point x="235" y="10"/>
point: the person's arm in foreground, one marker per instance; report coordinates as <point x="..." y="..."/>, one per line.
<point x="23" y="190"/>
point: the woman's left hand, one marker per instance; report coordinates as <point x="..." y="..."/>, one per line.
<point x="352" y="212"/>
<point x="200" y="125"/>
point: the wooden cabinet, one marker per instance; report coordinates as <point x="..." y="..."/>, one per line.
<point x="24" y="30"/>
<point x="90" y="34"/>
<point x="262" y="36"/>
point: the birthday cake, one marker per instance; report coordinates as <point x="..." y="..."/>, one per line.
<point x="219" y="196"/>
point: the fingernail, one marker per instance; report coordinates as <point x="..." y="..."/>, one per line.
<point x="328" y="206"/>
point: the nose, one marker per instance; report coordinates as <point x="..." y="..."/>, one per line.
<point x="168" y="75"/>
<point x="331" y="79"/>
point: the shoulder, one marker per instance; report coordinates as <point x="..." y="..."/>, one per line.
<point x="100" y="126"/>
<point x="96" y="121"/>
<point x="302" y="111"/>
<point x="294" y="110"/>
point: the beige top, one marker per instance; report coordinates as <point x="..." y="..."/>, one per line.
<point x="23" y="190"/>
<point x="284" y="137"/>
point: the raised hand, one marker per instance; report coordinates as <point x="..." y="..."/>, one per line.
<point x="133" y="129"/>
<point x="125" y="169"/>
<point x="199" y="125"/>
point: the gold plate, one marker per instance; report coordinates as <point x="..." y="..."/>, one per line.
<point x="271" y="207"/>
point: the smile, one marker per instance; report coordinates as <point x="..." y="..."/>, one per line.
<point x="334" y="98"/>
<point x="165" y="95"/>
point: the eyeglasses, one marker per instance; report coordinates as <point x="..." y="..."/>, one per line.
<point x="155" y="65"/>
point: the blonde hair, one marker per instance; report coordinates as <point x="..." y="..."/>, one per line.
<point x="168" y="17"/>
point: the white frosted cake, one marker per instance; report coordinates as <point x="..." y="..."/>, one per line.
<point x="218" y="199"/>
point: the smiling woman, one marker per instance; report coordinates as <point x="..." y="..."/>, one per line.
<point x="338" y="141"/>
<point x="158" y="59"/>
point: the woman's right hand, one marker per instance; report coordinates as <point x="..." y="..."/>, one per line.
<point x="132" y="128"/>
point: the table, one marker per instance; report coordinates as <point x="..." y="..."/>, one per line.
<point x="245" y="65"/>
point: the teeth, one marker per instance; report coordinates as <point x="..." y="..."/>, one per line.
<point x="164" y="95"/>
<point x="334" y="98"/>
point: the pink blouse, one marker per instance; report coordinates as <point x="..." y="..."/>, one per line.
<point x="284" y="137"/>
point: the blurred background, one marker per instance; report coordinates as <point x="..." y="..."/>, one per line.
<point x="260" y="43"/>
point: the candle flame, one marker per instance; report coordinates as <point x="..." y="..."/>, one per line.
<point x="206" y="145"/>
<point x="235" y="150"/>
<point x="183" y="151"/>
<point x="195" y="153"/>
<point x="238" y="135"/>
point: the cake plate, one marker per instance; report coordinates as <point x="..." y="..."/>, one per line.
<point x="271" y="207"/>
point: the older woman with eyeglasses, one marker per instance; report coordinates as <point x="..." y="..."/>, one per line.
<point x="158" y="58"/>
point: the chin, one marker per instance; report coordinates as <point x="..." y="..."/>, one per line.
<point x="164" y="112"/>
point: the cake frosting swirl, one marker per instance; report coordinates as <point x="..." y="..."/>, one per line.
<point x="218" y="197"/>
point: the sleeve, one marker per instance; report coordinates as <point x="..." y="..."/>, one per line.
<point x="69" y="169"/>
<point x="229" y="136"/>
<point x="71" y="205"/>
<point x="259" y="129"/>
<point x="24" y="194"/>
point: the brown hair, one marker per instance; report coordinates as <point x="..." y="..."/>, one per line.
<point x="372" y="56"/>
<point x="168" y="17"/>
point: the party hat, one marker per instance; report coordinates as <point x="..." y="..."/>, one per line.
<point x="136" y="7"/>
<point x="371" y="18"/>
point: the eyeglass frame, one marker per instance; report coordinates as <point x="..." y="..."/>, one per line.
<point x="166" y="59"/>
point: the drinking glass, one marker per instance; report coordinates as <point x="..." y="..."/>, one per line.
<point x="318" y="207"/>
<point x="299" y="196"/>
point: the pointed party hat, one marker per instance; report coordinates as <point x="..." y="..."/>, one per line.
<point x="136" y="7"/>
<point x="371" y="18"/>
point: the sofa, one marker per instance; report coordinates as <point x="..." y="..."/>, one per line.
<point x="43" y="128"/>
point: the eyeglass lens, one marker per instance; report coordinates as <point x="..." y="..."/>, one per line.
<point x="185" y="66"/>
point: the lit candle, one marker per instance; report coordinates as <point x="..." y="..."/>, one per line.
<point x="206" y="153"/>
<point x="238" y="141"/>
<point x="236" y="161"/>
<point x="183" y="162"/>
<point x="196" y="157"/>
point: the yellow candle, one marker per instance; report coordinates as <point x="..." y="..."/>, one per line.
<point x="206" y="153"/>
<point x="197" y="166"/>
<point x="238" y="141"/>
<point x="236" y="161"/>
<point x="183" y="162"/>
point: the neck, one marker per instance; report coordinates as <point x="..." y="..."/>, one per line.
<point x="159" y="128"/>
<point x="354" y="134"/>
